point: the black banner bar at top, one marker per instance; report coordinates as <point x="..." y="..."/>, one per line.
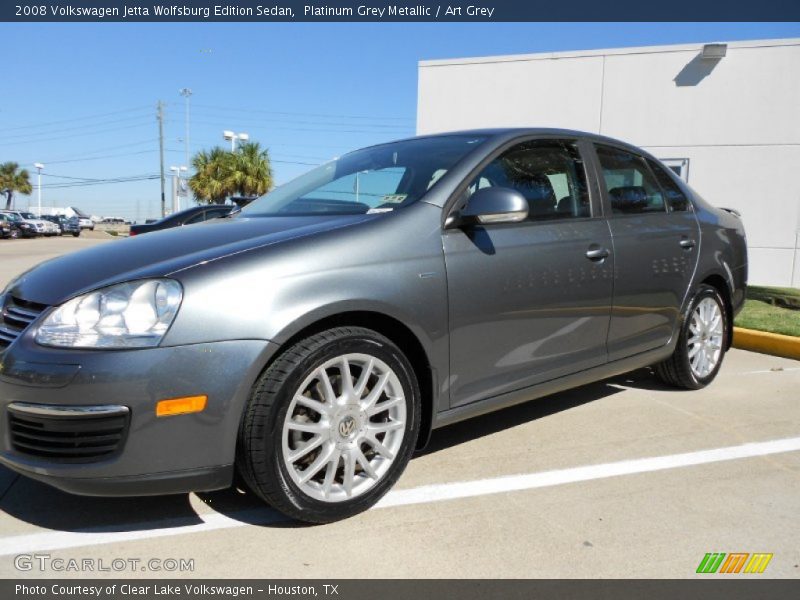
<point x="476" y="11"/>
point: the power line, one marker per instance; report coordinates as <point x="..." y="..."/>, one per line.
<point x="73" y="157"/>
<point x="310" y="122"/>
<point x="81" y="128"/>
<point x="300" y="114"/>
<point x="72" y="120"/>
<point x="55" y="186"/>
<point x="65" y="137"/>
<point x="316" y="129"/>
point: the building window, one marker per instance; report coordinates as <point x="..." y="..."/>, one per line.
<point x="679" y="166"/>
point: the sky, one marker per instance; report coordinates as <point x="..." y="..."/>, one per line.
<point x="81" y="98"/>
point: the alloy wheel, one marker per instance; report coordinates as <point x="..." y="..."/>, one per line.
<point x="705" y="337"/>
<point x="344" y="427"/>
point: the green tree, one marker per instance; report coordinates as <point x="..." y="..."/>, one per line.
<point x="220" y="174"/>
<point x="12" y="180"/>
<point x="211" y="169"/>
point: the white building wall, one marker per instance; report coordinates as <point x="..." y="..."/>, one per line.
<point x="737" y="120"/>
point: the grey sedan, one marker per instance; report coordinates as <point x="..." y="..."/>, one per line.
<point x="306" y="346"/>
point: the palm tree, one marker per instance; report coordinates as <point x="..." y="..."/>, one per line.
<point x="219" y="173"/>
<point x="211" y="171"/>
<point x="13" y="180"/>
<point x="252" y="173"/>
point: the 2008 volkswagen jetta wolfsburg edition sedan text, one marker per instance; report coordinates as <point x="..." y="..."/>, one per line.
<point x="312" y="341"/>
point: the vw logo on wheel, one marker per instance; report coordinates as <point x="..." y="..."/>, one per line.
<point x="347" y="426"/>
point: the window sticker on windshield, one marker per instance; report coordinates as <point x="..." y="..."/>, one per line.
<point x="374" y="211"/>
<point x="394" y="198"/>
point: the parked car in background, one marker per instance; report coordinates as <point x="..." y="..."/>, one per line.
<point x="312" y="341"/>
<point x="49" y="229"/>
<point x="7" y="228"/>
<point x="86" y="223"/>
<point x="68" y="225"/>
<point x="28" y="227"/>
<point x="196" y="214"/>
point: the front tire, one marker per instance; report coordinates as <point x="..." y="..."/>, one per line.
<point x="330" y="425"/>
<point x="701" y="345"/>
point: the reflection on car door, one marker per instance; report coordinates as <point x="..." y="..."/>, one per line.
<point x="656" y="237"/>
<point x="526" y="303"/>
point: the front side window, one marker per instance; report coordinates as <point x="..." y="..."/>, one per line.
<point x="377" y="179"/>
<point x="630" y="185"/>
<point x="549" y="174"/>
<point x="676" y="199"/>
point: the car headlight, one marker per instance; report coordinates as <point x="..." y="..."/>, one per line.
<point x="127" y="315"/>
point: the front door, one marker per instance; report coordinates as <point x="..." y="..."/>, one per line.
<point x="529" y="301"/>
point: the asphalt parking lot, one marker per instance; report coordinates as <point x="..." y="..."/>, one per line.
<point x="622" y="478"/>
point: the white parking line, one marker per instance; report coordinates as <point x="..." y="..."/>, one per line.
<point x="777" y="370"/>
<point x="62" y="540"/>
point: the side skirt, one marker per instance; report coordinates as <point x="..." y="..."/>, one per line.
<point x="612" y="369"/>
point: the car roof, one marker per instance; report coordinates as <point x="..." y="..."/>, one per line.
<point x="509" y="133"/>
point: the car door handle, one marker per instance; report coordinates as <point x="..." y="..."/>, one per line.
<point x="597" y="253"/>
<point x="687" y="243"/>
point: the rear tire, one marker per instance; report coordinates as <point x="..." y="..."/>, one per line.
<point x="339" y="448"/>
<point x="701" y="345"/>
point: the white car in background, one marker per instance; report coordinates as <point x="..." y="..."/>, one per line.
<point x="86" y="223"/>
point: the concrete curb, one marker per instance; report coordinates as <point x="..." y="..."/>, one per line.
<point x="766" y="343"/>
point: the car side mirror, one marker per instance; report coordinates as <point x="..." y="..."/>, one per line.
<point x="494" y="205"/>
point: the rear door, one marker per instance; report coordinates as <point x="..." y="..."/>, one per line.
<point x="656" y="239"/>
<point x="529" y="301"/>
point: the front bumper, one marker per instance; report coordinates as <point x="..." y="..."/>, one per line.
<point x="157" y="455"/>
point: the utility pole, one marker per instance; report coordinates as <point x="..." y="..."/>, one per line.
<point x="160" y="117"/>
<point x="186" y="93"/>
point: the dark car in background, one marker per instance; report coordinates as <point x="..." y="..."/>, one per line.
<point x="196" y="214"/>
<point x="8" y="229"/>
<point x="66" y="225"/>
<point x="19" y="226"/>
<point x="313" y="341"/>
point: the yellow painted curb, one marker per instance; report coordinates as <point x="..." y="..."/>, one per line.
<point x="766" y="343"/>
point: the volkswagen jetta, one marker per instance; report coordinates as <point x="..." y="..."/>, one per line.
<point x="313" y="341"/>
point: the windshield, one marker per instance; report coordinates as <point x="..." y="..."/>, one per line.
<point x="11" y="217"/>
<point x="377" y="179"/>
<point x="27" y="215"/>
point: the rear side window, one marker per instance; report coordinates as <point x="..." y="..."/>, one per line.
<point x="216" y="213"/>
<point x="549" y="174"/>
<point x="198" y="218"/>
<point x="631" y="187"/>
<point x="676" y="199"/>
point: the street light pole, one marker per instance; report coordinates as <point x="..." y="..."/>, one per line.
<point x="39" y="167"/>
<point x="232" y="137"/>
<point x="186" y="93"/>
<point x="176" y="178"/>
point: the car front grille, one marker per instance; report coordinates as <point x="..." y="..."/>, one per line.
<point x="16" y="315"/>
<point x="67" y="434"/>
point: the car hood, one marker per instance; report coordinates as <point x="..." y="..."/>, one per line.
<point x="163" y="252"/>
